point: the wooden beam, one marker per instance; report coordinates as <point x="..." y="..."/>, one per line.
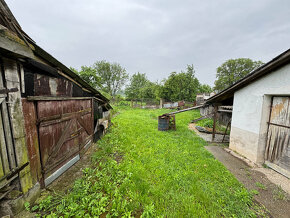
<point x="99" y="99"/>
<point x="14" y="44"/>
<point x="46" y="121"/>
<point x="225" y="111"/>
<point x="187" y="109"/>
<point x="6" y="91"/>
<point x="214" y="122"/>
<point x="53" y="98"/>
<point x="226" y="129"/>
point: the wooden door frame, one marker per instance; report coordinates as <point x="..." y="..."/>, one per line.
<point x="69" y="160"/>
<point x="270" y="164"/>
<point x="11" y="170"/>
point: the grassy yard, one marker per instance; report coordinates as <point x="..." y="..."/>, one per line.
<point x="140" y="171"/>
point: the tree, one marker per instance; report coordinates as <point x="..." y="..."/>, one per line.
<point x="204" y="88"/>
<point x="150" y="91"/>
<point x="134" y="90"/>
<point x="117" y="99"/>
<point x="89" y="75"/>
<point x="233" y="70"/>
<point x="181" y="86"/>
<point x="108" y="77"/>
<point x="112" y="76"/>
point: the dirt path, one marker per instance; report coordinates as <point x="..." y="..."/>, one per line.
<point x="269" y="194"/>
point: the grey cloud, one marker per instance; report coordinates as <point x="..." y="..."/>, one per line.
<point x="157" y="37"/>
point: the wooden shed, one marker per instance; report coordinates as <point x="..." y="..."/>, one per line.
<point x="49" y="115"/>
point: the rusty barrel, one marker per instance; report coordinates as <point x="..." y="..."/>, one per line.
<point x="163" y="123"/>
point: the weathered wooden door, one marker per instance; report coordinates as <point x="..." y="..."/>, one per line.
<point x="64" y="128"/>
<point x="278" y="141"/>
<point x="8" y="165"/>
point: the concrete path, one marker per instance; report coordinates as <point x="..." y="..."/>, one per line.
<point x="269" y="194"/>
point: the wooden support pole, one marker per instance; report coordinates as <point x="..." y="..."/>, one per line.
<point x="226" y="129"/>
<point x="214" y="122"/>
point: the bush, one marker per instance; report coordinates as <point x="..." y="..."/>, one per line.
<point x="206" y="123"/>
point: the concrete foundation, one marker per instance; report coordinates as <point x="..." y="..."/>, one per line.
<point x="13" y="207"/>
<point x="244" y="142"/>
<point x="17" y="205"/>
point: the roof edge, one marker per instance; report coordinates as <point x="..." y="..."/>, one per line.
<point x="274" y="64"/>
<point x="48" y="57"/>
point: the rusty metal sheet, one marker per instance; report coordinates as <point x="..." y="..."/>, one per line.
<point x="64" y="87"/>
<point x="166" y="122"/>
<point x="64" y="128"/>
<point x="31" y="138"/>
<point x="41" y="85"/>
<point x="49" y="108"/>
<point x="49" y="86"/>
<point x="69" y="107"/>
<point x="181" y="103"/>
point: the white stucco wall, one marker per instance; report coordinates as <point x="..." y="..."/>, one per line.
<point x="251" y="112"/>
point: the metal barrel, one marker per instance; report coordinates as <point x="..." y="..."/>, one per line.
<point x="163" y="123"/>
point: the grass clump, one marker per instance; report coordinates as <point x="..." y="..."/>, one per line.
<point x="260" y="186"/>
<point x="279" y="194"/>
<point x="140" y="171"/>
<point x="254" y="192"/>
<point x="205" y="123"/>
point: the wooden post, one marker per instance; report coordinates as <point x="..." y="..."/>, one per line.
<point x="131" y="103"/>
<point x="214" y="122"/>
<point x="161" y="103"/>
<point x="226" y="129"/>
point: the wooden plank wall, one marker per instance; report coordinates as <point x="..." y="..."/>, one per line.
<point x="12" y="73"/>
<point x="278" y="142"/>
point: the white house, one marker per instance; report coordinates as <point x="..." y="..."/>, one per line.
<point x="260" y="128"/>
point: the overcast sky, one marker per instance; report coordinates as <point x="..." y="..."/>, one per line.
<point x="157" y="37"/>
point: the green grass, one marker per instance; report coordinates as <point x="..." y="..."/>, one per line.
<point x="208" y="122"/>
<point x="260" y="186"/>
<point x="279" y="194"/>
<point x="142" y="171"/>
<point x="254" y="192"/>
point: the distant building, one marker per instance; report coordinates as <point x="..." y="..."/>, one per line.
<point x="202" y="97"/>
